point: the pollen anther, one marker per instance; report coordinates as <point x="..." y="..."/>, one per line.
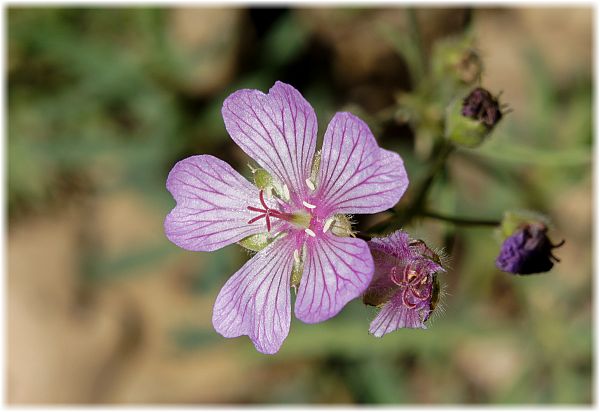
<point x="310" y="184"/>
<point x="310" y="232"/>
<point x="296" y="256"/>
<point x="327" y="224"/>
<point x="411" y="275"/>
<point x="308" y="205"/>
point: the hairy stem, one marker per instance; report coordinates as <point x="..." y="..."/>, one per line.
<point x="443" y="151"/>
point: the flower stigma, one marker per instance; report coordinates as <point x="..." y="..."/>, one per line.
<point x="267" y="212"/>
<point x="413" y="285"/>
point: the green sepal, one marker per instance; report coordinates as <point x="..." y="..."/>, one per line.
<point x="342" y="226"/>
<point x="298" y="268"/>
<point x="256" y="242"/>
<point x="297" y="273"/>
<point x="314" y="171"/>
<point x="435" y="294"/>
<point x="262" y="178"/>
<point x="516" y="219"/>
<point x="463" y="130"/>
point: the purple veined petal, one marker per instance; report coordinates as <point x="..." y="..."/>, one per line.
<point x="388" y="252"/>
<point x="395" y="244"/>
<point x="212" y="200"/>
<point x="394" y="315"/>
<point x="356" y="175"/>
<point x="336" y="270"/>
<point x="278" y="130"/>
<point x="381" y="288"/>
<point x="255" y="301"/>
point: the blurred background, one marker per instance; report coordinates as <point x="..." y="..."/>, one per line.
<point x="102" y="308"/>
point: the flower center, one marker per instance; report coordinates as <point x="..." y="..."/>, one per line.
<point x="413" y="283"/>
<point x="305" y="215"/>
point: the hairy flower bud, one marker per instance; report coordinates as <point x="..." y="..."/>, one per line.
<point x="262" y="178"/>
<point x="527" y="251"/>
<point x="527" y="248"/>
<point x="469" y="122"/>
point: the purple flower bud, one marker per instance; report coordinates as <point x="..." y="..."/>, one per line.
<point x="480" y="105"/>
<point x="528" y="250"/>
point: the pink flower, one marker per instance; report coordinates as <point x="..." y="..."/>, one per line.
<point x="404" y="285"/>
<point x="299" y="214"/>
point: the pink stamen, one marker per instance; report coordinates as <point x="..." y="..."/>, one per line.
<point x="267" y="212"/>
<point x="255" y="209"/>
<point x="254" y="219"/>
<point x="405" y="301"/>
<point x="394" y="276"/>
<point x="262" y="200"/>
<point x="409" y="286"/>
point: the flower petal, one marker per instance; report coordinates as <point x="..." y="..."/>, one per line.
<point x="278" y="130"/>
<point x="255" y="301"/>
<point x="212" y="201"/>
<point x="388" y="252"/>
<point x="395" y="244"/>
<point x="381" y="288"/>
<point x="356" y="175"/>
<point x="337" y="270"/>
<point x="394" y="315"/>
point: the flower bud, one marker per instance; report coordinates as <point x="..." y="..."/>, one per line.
<point x="468" y="124"/>
<point x="262" y="178"/>
<point x="456" y="59"/>
<point x="264" y="181"/>
<point x="527" y="249"/>
<point x="480" y="105"/>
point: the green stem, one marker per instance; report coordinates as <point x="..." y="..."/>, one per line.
<point x="459" y="221"/>
<point x="442" y="153"/>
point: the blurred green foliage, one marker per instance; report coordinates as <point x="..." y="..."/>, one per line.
<point x="97" y="103"/>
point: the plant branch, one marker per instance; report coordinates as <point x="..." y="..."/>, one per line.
<point x="459" y="221"/>
<point x="401" y="217"/>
